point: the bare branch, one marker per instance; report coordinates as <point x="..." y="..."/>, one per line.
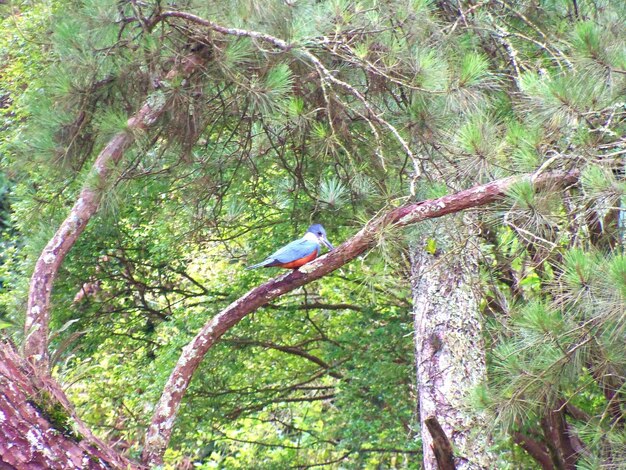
<point x="289" y="350"/>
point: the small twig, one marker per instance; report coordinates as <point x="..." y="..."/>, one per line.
<point x="502" y="34"/>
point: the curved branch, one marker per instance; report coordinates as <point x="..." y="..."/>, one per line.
<point x="38" y="312"/>
<point x="160" y="430"/>
<point x="36" y="326"/>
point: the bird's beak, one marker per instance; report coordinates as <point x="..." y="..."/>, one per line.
<point x="326" y="243"/>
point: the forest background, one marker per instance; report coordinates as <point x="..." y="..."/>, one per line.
<point x="150" y="150"/>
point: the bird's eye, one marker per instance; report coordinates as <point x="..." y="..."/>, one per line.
<point x="319" y="233"/>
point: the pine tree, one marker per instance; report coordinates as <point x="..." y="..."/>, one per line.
<point x="224" y="129"/>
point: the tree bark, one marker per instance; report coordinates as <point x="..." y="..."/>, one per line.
<point x="449" y="353"/>
<point x="36" y="325"/>
<point x="35" y="432"/>
<point x="160" y="430"/>
<point x="537" y="450"/>
<point x="558" y="438"/>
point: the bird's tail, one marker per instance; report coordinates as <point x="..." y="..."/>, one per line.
<point x="260" y="265"/>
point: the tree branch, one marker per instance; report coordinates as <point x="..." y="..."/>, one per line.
<point x="162" y="423"/>
<point x="441" y="445"/>
<point x="238" y="411"/>
<point x="535" y="449"/>
<point x="316" y="306"/>
<point x="36" y="326"/>
<point x="289" y="350"/>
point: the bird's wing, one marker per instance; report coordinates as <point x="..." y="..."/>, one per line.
<point x="294" y="251"/>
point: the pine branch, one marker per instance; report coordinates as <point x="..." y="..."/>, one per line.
<point x="160" y="429"/>
<point x="324" y="73"/>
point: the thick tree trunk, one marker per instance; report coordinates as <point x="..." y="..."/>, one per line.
<point x="449" y="354"/>
<point x="35" y="432"/>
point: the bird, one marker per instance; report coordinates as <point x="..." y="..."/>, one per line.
<point x="298" y="252"/>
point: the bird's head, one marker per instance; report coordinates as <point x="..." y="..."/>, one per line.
<point x="320" y="235"/>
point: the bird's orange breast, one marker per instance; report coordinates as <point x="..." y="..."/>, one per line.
<point x="299" y="262"/>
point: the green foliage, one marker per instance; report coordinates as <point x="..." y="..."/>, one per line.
<point x="260" y="143"/>
<point x="56" y="415"/>
<point x="333" y="192"/>
<point x="474" y="70"/>
<point x="523" y="194"/>
<point x="600" y="183"/>
<point x="269" y="94"/>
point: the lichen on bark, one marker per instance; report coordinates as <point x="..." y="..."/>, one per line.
<point x="449" y="350"/>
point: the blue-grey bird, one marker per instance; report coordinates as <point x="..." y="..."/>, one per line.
<point x="299" y="252"/>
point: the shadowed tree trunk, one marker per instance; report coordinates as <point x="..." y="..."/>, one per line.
<point x="449" y="354"/>
<point x="35" y="431"/>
